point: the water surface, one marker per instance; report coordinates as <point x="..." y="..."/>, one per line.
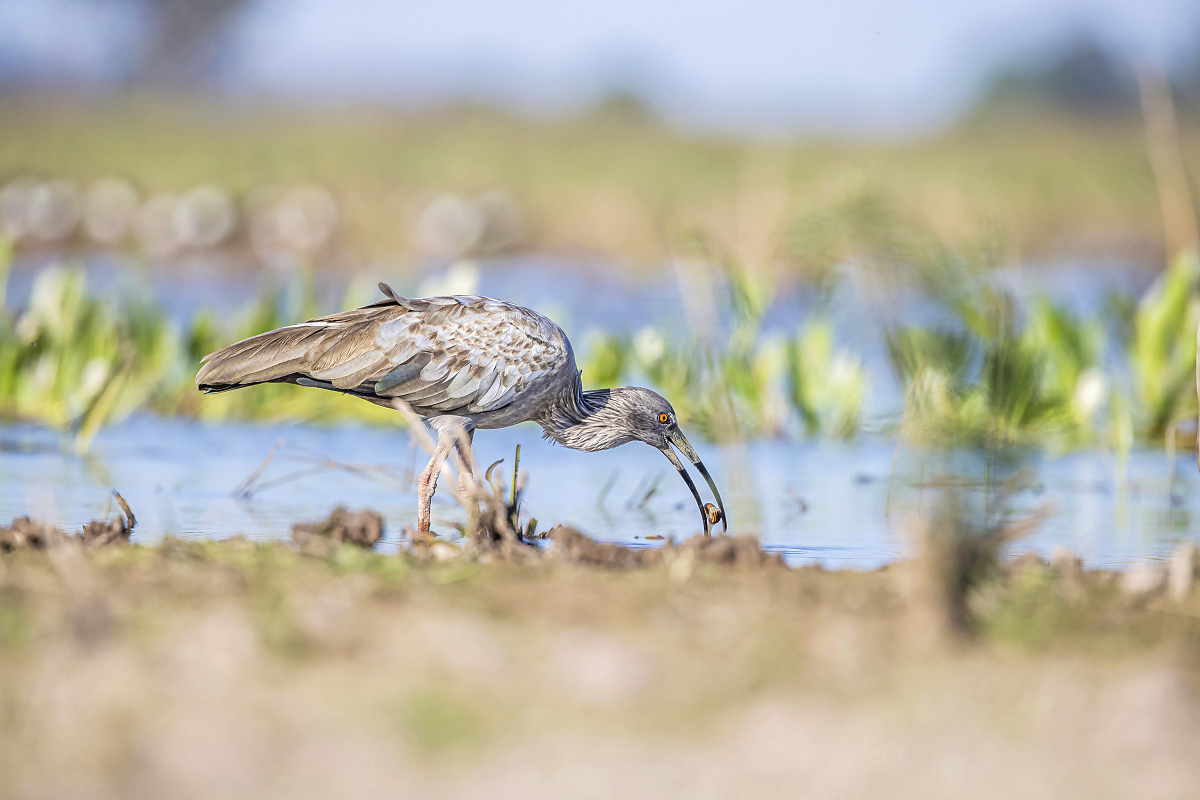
<point x="815" y="502"/>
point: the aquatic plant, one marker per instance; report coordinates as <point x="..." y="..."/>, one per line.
<point x="1162" y="349"/>
<point x="604" y="358"/>
<point x="75" y="361"/>
<point x="1045" y="377"/>
<point x="1070" y="353"/>
<point x="996" y="376"/>
<point x="738" y="380"/>
<point x="993" y="381"/>
<point x="828" y="386"/>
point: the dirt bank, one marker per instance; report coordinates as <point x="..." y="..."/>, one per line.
<point x="241" y="670"/>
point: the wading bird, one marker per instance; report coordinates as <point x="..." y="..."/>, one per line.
<point x="462" y="363"/>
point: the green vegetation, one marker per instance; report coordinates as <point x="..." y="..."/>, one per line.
<point x="76" y="360"/>
<point x="1162" y="350"/>
<point x="1047" y="378"/>
<point x="742" y="382"/>
<point x="1000" y="376"/>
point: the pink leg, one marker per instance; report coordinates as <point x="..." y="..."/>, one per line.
<point x="427" y="485"/>
<point x="466" y="478"/>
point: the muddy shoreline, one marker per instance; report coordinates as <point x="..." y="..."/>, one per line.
<point x="240" y="669"/>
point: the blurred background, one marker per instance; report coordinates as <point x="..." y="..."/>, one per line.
<point x="819" y="229"/>
<point x="591" y="132"/>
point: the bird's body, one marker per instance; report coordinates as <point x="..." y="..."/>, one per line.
<point x="463" y="363"/>
<point x="468" y="357"/>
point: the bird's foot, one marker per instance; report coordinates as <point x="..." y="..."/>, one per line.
<point x="421" y="537"/>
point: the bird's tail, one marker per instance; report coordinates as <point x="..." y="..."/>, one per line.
<point x="271" y="356"/>
<point x="336" y="348"/>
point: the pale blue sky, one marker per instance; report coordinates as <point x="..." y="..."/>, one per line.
<point x="760" y="64"/>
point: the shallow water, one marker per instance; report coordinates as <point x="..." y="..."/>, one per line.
<point x="815" y="502"/>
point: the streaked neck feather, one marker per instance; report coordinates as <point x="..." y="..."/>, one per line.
<point x="586" y="420"/>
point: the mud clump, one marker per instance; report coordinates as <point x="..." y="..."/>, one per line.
<point x="740" y="551"/>
<point x="28" y="533"/>
<point x="103" y="532"/>
<point x="360" y="528"/>
<point x="573" y="547"/>
<point x="33" y="534"/>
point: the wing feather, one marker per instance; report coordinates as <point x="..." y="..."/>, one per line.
<point x="401" y="374"/>
<point x="438" y="354"/>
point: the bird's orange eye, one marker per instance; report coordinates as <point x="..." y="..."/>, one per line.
<point x="664" y="418"/>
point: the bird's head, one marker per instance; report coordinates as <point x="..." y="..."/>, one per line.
<point x="647" y="417"/>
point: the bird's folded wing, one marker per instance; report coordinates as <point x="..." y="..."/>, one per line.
<point x="464" y="354"/>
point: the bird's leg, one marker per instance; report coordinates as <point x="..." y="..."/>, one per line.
<point x="427" y="485"/>
<point x="466" y="477"/>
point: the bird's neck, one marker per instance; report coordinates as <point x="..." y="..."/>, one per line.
<point x="584" y="420"/>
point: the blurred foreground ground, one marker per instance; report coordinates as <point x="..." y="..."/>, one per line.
<point x="238" y="670"/>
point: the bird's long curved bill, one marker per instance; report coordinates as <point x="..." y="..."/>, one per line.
<point x="680" y="441"/>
